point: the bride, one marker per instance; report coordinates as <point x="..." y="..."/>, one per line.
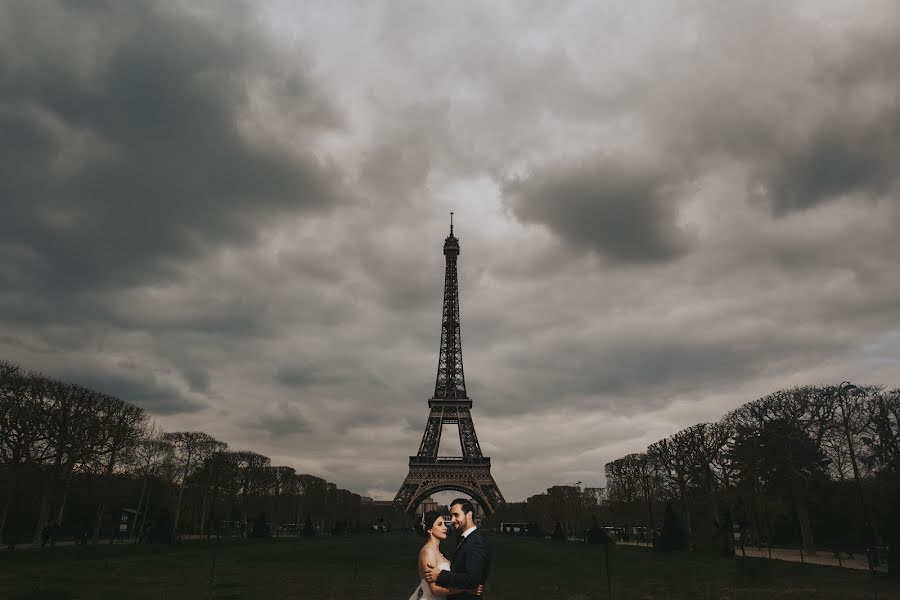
<point x="433" y="527"/>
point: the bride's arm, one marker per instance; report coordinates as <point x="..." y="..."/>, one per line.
<point x="424" y="559"/>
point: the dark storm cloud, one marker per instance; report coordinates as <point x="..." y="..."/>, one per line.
<point x="619" y="210"/>
<point x="128" y="144"/>
<point x="167" y="178"/>
<point x="210" y="312"/>
<point x="838" y="159"/>
<point x="846" y="142"/>
<point x="820" y="122"/>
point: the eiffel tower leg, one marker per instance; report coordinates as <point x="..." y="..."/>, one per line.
<point x="468" y="440"/>
<point x="431" y="439"/>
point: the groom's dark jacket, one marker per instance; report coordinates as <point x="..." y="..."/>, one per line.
<point x="469" y="566"/>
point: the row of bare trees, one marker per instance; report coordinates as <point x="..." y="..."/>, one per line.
<point x="809" y="454"/>
<point x="57" y="438"/>
<point x="566" y="510"/>
<point x="52" y="429"/>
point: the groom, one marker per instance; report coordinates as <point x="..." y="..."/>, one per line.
<point x="469" y="567"/>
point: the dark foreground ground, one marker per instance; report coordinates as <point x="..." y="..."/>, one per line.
<point x="382" y="567"/>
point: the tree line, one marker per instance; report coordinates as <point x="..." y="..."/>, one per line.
<point x="72" y="459"/>
<point x="811" y="466"/>
<point x="561" y="511"/>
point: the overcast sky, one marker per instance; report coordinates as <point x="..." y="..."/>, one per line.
<point x="233" y="215"/>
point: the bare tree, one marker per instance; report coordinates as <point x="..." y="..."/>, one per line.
<point x="672" y="457"/>
<point x="705" y="446"/>
<point x="190" y="450"/>
<point x="883" y="428"/>
<point x="779" y="442"/>
<point x="855" y="419"/>
<point x="835" y="447"/>
<point x="22" y="434"/>
<point x="845" y="440"/>
<point x="282" y="482"/>
<point x="147" y="461"/>
<point x="122" y="424"/>
<point x="311" y="497"/>
<point x="649" y="479"/>
<point x="215" y="467"/>
<point x="621" y="480"/>
<point x="249" y="469"/>
<point x="74" y="434"/>
<point x="634" y="477"/>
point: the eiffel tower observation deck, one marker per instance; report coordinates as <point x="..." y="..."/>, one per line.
<point x="450" y="405"/>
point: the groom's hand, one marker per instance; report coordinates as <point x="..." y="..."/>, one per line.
<point x="432" y="573"/>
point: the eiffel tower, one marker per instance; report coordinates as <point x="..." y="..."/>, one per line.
<point x="450" y="405"/>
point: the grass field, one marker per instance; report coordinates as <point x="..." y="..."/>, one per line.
<point x="382" y="567"/>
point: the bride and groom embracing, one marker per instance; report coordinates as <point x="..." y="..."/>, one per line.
<point x="464" y="577"/>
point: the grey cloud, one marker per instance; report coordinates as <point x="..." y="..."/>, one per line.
<point x="203" y="311"/>
<point x="373" y="409"/>
<point x="233" y="270"/>
<point x="307" y="375"/>
<point x="135" y="384"/>
<point x="623" y="213"/>
<point x="173" y="174"/>
<point x="819" y="122"/>
<point x="406" y="283"/>
<point x="400" y="165"/>
<point x="197" y="378"/>
<point x="300" y="376"/>
<point x="655" y="370"/>
<point x="285" y="419"/>
<point x="837" y="160"/>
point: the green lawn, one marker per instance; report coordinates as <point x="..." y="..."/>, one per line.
<point x="382" y="567"/>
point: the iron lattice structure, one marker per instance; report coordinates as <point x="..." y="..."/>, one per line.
<point x="450" y="383"/>
<point x="471" y="472"/>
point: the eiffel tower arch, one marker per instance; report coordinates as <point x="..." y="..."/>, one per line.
<point x="450" y="405"/>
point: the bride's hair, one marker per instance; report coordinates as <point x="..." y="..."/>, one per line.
<point x="427" y="521"/>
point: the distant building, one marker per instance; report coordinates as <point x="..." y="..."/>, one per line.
<point x="382" y="504"/>
<point x="383" y="515"/>
<point x="427" y="504"/>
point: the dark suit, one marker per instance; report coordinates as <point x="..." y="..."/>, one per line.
<point x="469" y="566"/>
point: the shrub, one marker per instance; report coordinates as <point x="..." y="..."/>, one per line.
<point x="673" y="536"/>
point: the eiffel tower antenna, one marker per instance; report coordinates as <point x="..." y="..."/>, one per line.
<point x="450" y="405"/>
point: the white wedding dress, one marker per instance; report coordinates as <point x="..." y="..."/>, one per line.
<point x="423" y="592"/>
